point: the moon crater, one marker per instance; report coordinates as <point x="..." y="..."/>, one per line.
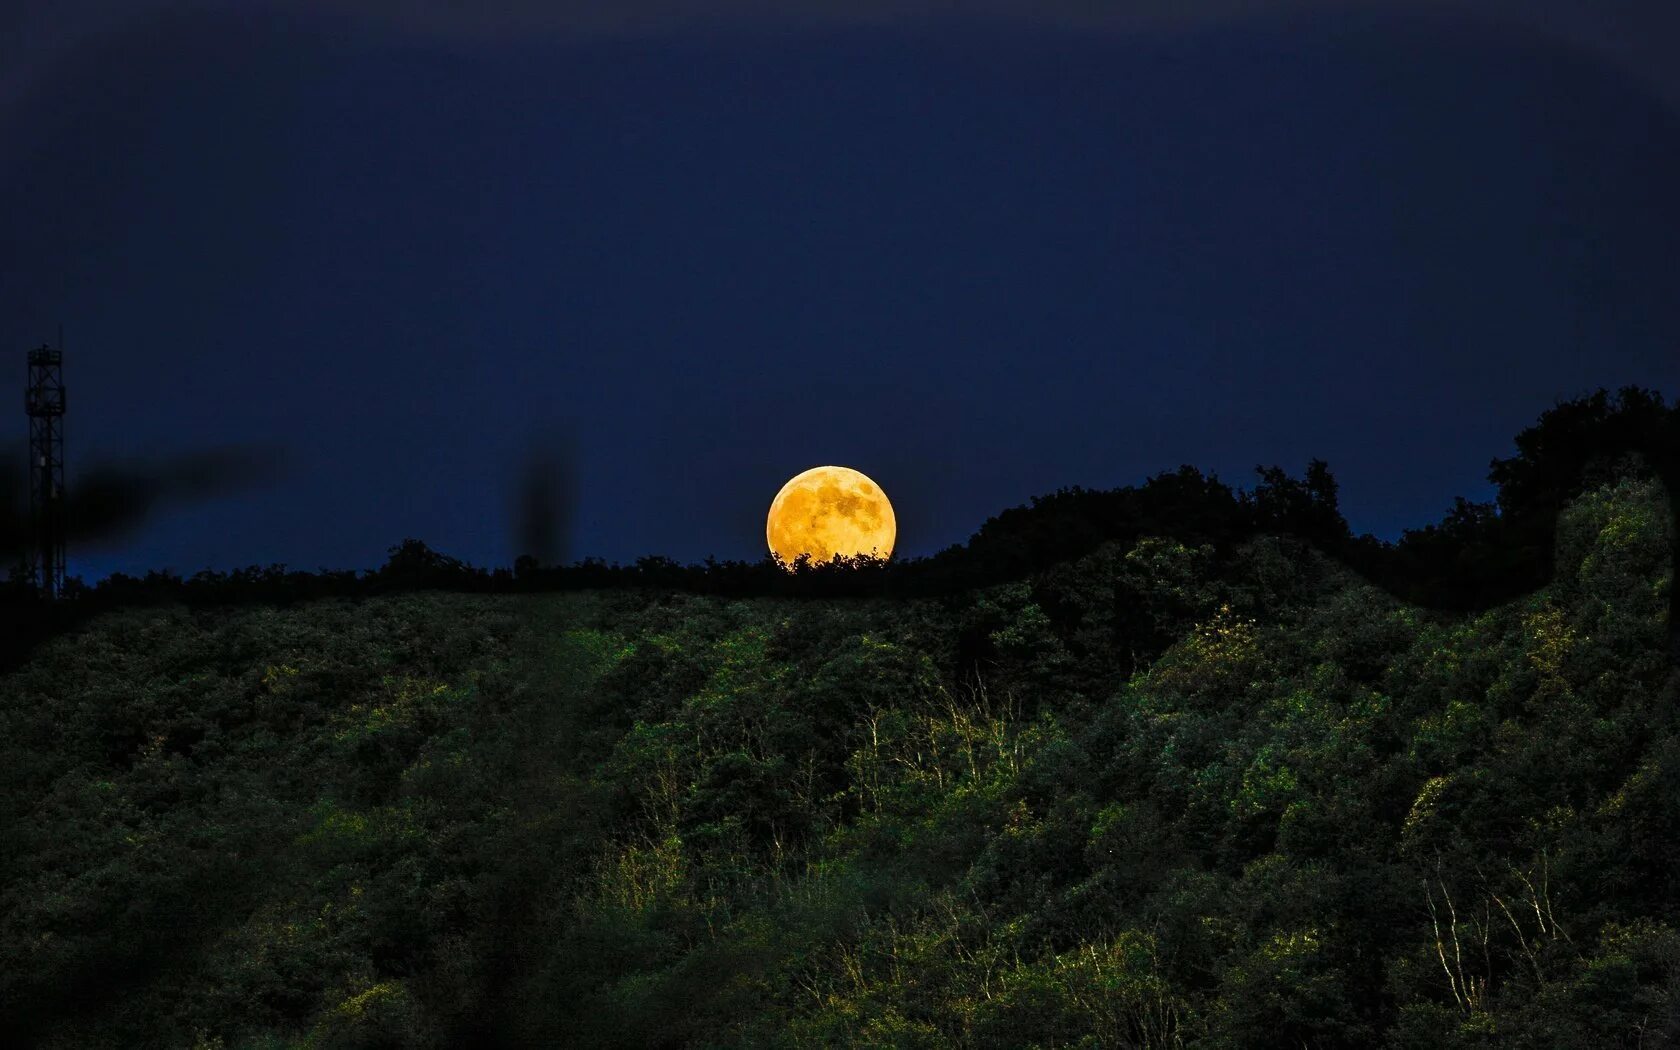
<point x="827" y="511"/>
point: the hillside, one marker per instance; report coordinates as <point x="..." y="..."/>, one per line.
<point x="1162" y="795"/>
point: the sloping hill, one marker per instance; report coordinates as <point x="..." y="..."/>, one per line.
<point x="1158" y="796"/>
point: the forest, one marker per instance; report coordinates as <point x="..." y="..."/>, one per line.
<point x="1166" y="766"/>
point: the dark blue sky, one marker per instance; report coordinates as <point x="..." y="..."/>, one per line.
<point x="976" y="262"/>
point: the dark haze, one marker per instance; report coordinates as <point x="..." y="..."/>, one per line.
<point x="110" y="501"/>
<point x="542" y="515"/>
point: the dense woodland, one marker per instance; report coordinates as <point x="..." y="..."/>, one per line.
<point x="1171" y="766"/>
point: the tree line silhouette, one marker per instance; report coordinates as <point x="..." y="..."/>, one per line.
<point x="1479" y="555"/>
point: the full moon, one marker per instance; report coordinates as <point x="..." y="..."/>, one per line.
<point x="827" y="511"/>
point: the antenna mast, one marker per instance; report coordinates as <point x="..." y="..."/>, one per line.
<point x="44" y="401"/>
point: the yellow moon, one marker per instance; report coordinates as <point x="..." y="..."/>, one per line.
<point x="827" y="511"/>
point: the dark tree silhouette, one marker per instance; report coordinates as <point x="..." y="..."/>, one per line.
<point x="1477" y="556"/>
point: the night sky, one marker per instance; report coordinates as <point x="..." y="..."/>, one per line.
<point x="978" y="260"/>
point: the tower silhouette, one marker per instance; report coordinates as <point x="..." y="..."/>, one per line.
<point x="44" y="401"/>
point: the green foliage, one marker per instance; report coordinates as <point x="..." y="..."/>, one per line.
<point x="1166" y="795"/>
